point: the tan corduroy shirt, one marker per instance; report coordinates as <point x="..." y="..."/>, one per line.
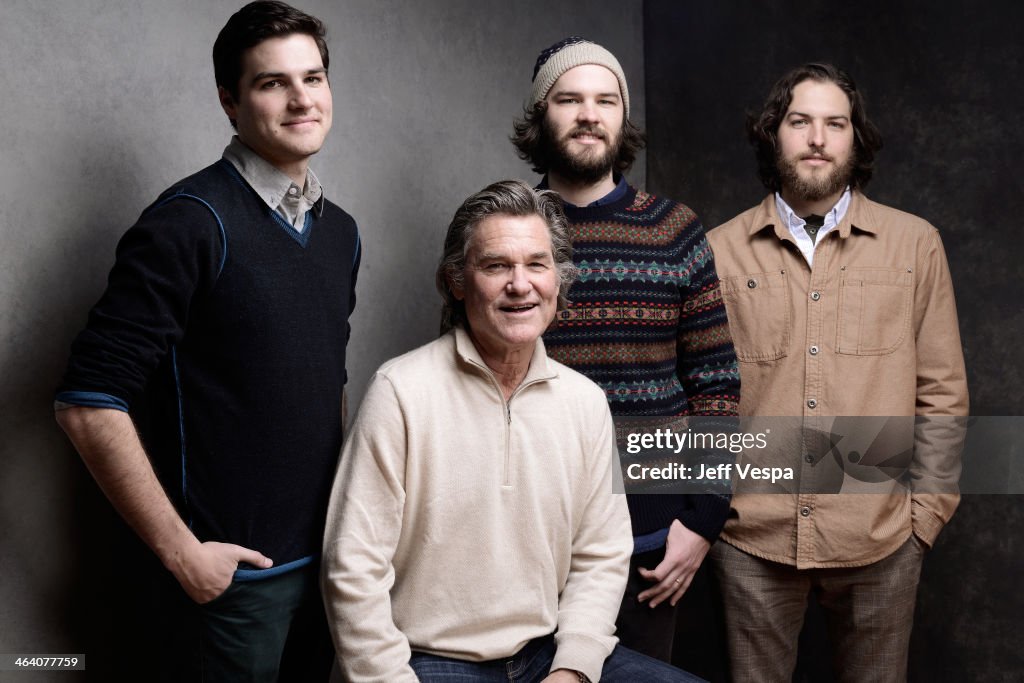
<point x="870" y="330"/>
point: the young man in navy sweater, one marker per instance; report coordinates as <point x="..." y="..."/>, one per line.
<point x="205" y="395"/>
<point x="646" y="320"/>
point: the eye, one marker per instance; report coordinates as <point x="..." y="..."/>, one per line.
<point x="566" y="100"/>
<point x="798" y="123"/>
<point x="494" y="268"/>
<point x="837" y="125"/>
<point x="270" y="85"/>
<point x="315" y="79"/>
<point x="538" y="266"/>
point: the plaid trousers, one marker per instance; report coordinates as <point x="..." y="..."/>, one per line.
<point x="869" y="613"/>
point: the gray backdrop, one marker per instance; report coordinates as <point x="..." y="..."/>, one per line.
<point x="103" y="105"/>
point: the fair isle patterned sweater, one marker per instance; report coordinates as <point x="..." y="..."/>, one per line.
<point x="648" y="325"/>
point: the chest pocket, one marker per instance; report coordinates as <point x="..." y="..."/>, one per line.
<point x="759" y="310"/>
<point x="874" y="310"/>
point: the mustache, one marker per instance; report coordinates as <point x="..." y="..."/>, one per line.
<point x="817" y="153"/>
<point x="587" y="129"/>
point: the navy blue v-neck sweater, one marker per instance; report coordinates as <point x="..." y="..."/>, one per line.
<point x="223" y="332"/>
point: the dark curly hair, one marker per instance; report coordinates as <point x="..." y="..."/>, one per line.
<point x="529" y="140"/>
<point x="762" y="128"/>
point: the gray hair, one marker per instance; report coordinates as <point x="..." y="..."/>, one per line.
<point x="504" y="198"/>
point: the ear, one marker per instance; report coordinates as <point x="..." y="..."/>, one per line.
<point x="457" y="290"/>
<point x="227" y="103"/>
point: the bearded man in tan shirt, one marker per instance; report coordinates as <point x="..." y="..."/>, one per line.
<point x="842" y="311"/>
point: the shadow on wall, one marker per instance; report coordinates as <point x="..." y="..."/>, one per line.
<point x="415" y="133"/>
<point x="58" y="547"/>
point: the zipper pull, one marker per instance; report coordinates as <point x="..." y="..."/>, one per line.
<point x="508" y="412"/>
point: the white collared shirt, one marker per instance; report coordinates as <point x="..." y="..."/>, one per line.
<point x="275" y="188"/>
<point x="796" y="224"/>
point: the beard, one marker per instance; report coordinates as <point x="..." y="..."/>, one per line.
<point x="585" y="168"/>
<point x="815" y="188"/>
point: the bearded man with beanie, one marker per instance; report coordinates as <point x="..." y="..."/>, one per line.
<point x="646" y="320"/>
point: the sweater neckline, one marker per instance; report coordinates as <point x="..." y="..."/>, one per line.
<point x="302" y="237"/>
<point x="588" y="213"/>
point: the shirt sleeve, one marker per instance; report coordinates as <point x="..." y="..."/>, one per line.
<point x="364" y="523"/>
<point x="172" y="254"/>
<point x="942" y="397"/>
<point x="590" y="600"/>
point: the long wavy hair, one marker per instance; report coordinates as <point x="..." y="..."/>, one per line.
<point x="530" y="145"/>
<point x="762" y="128"/>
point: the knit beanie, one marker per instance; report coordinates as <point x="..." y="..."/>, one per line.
<point x="567" y="54"/>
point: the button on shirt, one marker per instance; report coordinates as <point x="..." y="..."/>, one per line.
<point x="290" y="201"/>
<point x="863" y="325"/>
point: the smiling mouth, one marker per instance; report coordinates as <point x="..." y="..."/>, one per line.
<point x="519" y="308"/>
<point x="587" y="135"/>
<point x="300" y="122"/>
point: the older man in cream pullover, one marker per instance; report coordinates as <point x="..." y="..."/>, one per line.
<point x="473" y="530"/>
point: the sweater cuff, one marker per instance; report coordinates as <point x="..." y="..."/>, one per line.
<point x="581" y="653"/>
<point x="707" y="515"/>
<point x="650" y="512"/>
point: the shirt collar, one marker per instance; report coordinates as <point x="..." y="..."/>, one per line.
<point x="796" y="224"/>
<point x="268" y="182"/>
<point x="859" y="215"/>
<point x="539" y="369"/>
<point x="619" y="191"/>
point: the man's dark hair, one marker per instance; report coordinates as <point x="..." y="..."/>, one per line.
<point x="529" y="140"/>
<point x="253" y="24"/>
<point x="762" y="129"/>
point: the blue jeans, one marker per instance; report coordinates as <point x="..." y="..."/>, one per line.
<point x="533" y="663"/>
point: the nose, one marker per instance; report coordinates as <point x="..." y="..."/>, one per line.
<point x="587" y="113"/>
<point x="518" y="281"/>
<point x="816" y="134"/>
<point x="300" y="98"/>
